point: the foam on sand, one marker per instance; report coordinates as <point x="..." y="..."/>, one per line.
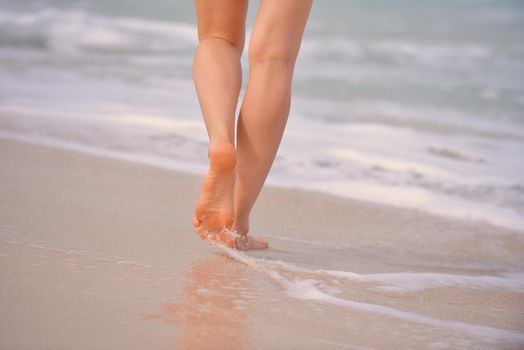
<point x="309" y="289"/>
<point x="416" y="281"/>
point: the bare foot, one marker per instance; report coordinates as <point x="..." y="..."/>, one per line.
<point x="214" y="210"/>
<point x="234" y="240"/>
<point x="245" y="242"/>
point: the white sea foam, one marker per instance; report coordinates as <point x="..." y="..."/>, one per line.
<point x="414" y="281"/>
<point x="73" y="31"/>
<point x="416" y="198"/>
<point x="308" y="289"/>
<point x="314" y="243"/>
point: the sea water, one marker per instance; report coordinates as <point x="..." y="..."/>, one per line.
<point x="409" y="103"/>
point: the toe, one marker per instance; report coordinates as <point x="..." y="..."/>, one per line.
<point x="196" y="222"/>
<point x="257" y="244"/>
<point x="198" y="226"/>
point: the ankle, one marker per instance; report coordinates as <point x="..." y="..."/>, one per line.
<point x="222" y="156"/>
<point x="241" y="225"/>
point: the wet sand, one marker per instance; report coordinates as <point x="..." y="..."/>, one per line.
<point x="100" y="253"/>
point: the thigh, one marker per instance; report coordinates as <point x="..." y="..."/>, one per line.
<point x="279" y="28"/>
<point x="224" y="19"/>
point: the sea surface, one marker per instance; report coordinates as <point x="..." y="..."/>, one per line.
<point x="418" y="104"/>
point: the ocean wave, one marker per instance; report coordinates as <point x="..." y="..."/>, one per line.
<point x="424" y="117"/>
<point x="395" y="52"/>
<point x="66" y="30"/>
<point x="77" y="31"/>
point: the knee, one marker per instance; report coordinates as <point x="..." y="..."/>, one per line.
<point x="264" y="51"/>
<point x="236" y="42"/>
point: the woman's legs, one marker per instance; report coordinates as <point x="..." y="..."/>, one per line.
<point x="218" y="78"/>
<point x="274" y="46"/>
<point x="273" y="49"/>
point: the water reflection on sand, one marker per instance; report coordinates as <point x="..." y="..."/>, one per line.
<point x="212" y="312"/>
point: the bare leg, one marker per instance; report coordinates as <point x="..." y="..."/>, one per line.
<point x="273" y="49"/>
<point x="218" y="78"/>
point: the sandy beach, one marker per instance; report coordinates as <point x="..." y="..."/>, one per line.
<point x="394" y="208"/>
<point x="100" y="253"/>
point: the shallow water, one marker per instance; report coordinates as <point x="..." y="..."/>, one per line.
<point x="232" y="299"/>
<point x="410" y="104"/>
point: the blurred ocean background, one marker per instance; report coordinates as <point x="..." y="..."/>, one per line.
<point x="409" y="103"/>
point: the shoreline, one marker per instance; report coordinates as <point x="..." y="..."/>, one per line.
<point x="199" y="170"/>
